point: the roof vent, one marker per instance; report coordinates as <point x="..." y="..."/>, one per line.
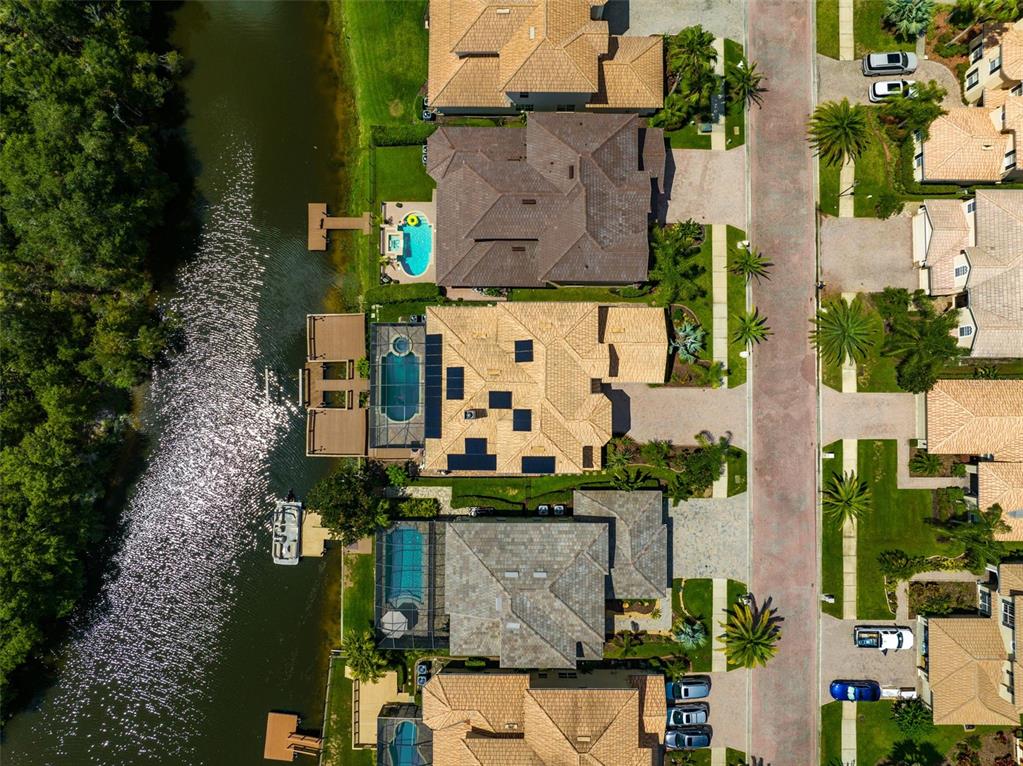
<point x="529" y="202"/>
<point x="532" y="33"/>
<point x="511" y="725"/>
<point x="583" y="738"/>
<point x="987" y="147"/>
<point x="571" y="171"/>
<point x="511" y="574"/>
<point x="539" y="574"/>
<point x="503" y="11"/>
<point x="511" y="625"/>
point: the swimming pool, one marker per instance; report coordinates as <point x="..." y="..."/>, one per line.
<point x="399" y="385"/>
<point x="403" y="746"/>
<point x="418" y="244"/>
<point x="404" y="554"/>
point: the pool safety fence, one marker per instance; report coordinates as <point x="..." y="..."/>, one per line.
<point x="409" y="600"/>
<point x="396" y="384"/>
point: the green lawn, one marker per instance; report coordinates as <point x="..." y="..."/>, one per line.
<point x="735" y="117"/>
<point x="734" y="589"/>
<point x="703" y="306"/>
<point x="388" y="42"/>
<point x="876" y="373"/>
<point x="830" y="181"/>
<point x="874" y="170"/>
<point x="897" y="519"/>
<point x="688" y="137"/>
<point x="737" y="473"/>
<point x="831" y="734"/>
<point x="359" y="571"/>
<point x="399" y="174"/>
<point x="869" y="31"/>
<point x="697" y="598"/>
<point x="877" y="734"/>
<point x="337" y="728"/>
<point x="827" y="28"/>
<point x="734" y="757"/>
<point x="736" y="306"/>
<point x="596" y="294"/>
<point x="831" y="543"/>
<point x="515" y="494"/>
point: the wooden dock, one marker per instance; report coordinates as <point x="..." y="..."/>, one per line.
<point x="320" y="223"/>
<point x="283" y="740"/>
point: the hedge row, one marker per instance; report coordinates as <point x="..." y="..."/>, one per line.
<point x="421" y="292"/>
<point x="401" y="135"/>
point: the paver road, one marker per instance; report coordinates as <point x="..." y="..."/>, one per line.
<point x="785" y="700"/>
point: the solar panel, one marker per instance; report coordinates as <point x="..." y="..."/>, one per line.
<point x="456" y="383"/>
<point x="522" y="420"/>
<point x="523" y="351"/>
<point x="537" y="465"/>
<point x="475" y="446"/>
<point x="433" y="385"/>
<point x="472" y="462"/>
<point x="500" y="400"/>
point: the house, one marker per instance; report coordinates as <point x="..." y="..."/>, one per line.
<point x="976" y="417"/>
<point x="973" y="144"/>
<point x="996" y="61"/>
<point x="603" y="718"/>
<point x="519" y="388"/>
<point x="501" y="56"/>
<point x="567" y="200"/>
<point x="531" y="595"/>
<point x="974" y="249"/>
<point x="970" y="670"/>
<point x="1001" y="484"/>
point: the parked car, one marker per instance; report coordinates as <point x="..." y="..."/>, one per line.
<point x="688" y="688"/>
<point x="883" y="637"/>
<point x="897" y="62"/>
<point x="687" y="738"/>
<point x="883" y="89"/>
<point x="855" y="691"/>
<point x="688" y="715"/>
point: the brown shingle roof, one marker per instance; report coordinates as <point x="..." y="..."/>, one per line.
<point x="976" y="417"/>
<point x="542" y="46"/>
<point x="966" y="144"/>
<point x="1002" y="484"/>
<point x="572" y="345"/>
<point x="568" y="199"/>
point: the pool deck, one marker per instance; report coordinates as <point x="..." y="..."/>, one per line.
<point x="369" y="698"/>
<point x="319" y="223"/>
<point x="392" y="213"/>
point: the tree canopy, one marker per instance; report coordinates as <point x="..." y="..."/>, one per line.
<point x="83" y="94"/>
<point x="349" y="502"/>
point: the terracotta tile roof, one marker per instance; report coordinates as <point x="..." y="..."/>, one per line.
<point x="966" y="144"/>
<point x="967" y="660"/>
<point x="1012" y="52"/>
<point x="995" y="284"/>
<point x="572" y="344"/>
<point x="568" y="199"/>
<point x="1010" y="579"/>
<point x="559" y="726"/>
<point x="632" y="78"/>
<point x="976" y="417"/>
<point x="533" y="46"/>
<point x="1002" y="484"/>
<point x="950" y="235"/>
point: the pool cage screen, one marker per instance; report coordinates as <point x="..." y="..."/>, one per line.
<point x="396" y="381"/>
<point x="409" y="601"/>
<point x="402" y="737"/>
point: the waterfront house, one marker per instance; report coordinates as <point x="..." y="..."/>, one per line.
<point x="996" y="61"/>
<point x="600" y="718"/>
<point x="569" y="199"/>
<point x="501" y="56"/>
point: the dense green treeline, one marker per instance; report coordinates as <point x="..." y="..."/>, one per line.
<point x="83" y="94"/>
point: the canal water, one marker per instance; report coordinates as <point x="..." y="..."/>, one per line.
<point x="198" y="634"/>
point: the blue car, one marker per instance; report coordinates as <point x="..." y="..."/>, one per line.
<point x="855" y="691"/>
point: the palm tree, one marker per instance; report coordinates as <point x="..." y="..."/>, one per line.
<point x="748" y="263"/>
<point x="986" y="372"/>
<point x="675" y="113"/>
<point x="839" y="131"/>
<point x="752" y="328"/>
<point x="692" y="634"/>
<point x="751" y="636"/>
<point x="628" y="642"/>
<point x="846" y="499"/>
<point x="743" y="81"/>
<point x="362" y="657"/>
<point x="978" y="538"/>
<point x="925" y="463"/>
<point x="842" y="330"/>
<point x="629" y="480"/>
<point x="909" y="18"/>
<point x="677" y="666"/>
<point x="925" y="345"/>
<point x="691" y="49"/>
<point x="673" y="271"/>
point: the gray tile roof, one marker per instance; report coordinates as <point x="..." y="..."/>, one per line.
<point x="639" y="564"/>
<point x="530" y="593"/>
<point x="567" y="199"/>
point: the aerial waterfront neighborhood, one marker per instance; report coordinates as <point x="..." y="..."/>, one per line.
<point x="642" y="386"/>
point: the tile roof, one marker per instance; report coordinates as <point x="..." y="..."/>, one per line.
<point x="1001" y="484"/>
<point x="545" y="726"/>
<point x="568" y="199"/>
<point x="1012" y="51"/>
<point x="1010" y="579"/>
<point x="995" y="284"/>
<point x="950" y="235"/>
<point x="573" y="344"/>
<point x="966" y="144"/>
<point x="482" y="49"/>
<point x="976" y="417"/>
<point x="632" y="78"/>
<point x="639" y="564"/>
<point x="530" y="594"/>
<point x="967" y="663"/>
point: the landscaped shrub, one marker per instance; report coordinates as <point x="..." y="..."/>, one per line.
<point x="397" y="476"/>
<point x="899" y="565"/>
<point x="688" y="341"/>
<point x="656" y="453"/>
<point x="632" y="291"/>
<point x="912" y="717"/>
<point x="697" y="470"/>
<point x="424" y="292"/>
<point x="362" y="367"/>
<point x="888" y="204"/>
<point x="958" y="469"/>
<point x="691" y="634"/>
<point x="949" y="502"/>
<point x="418" y="508"/>
<point x="923" y="463"/>
<point x="939" y="598"/>
<point x="401" y="135"/>
<point x="475" y="662"/>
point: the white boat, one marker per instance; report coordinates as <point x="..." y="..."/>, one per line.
<point x="286" y="528"/>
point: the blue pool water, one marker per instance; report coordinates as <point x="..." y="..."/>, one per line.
<point x="418" y="246"/>
<point x="403" y="746"/>
<point x="404" y="553"/>
<point x="399" y="385"/>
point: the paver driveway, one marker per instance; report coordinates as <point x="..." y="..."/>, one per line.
<point x="785" y="706"/>
<point x="844" y="79"/>
<point x="710" y="538"/>
<point x="727" y="700"/>
<point x="679" y="414"/>
<point x="867" y="254"/>
<point x="659" y="17"/>
<point x="709" y="186"/>
<point x="841" y="659"/>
